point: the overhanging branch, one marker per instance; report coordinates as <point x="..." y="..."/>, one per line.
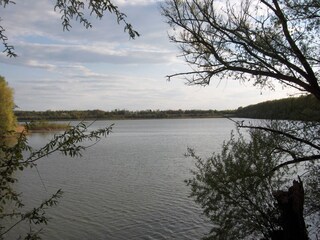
<point x="281" y="133"/>
<point x="296" y="160"/>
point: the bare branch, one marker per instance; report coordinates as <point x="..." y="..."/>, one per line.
<point x="248" y="42"/>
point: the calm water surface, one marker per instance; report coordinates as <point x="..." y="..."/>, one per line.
<point x="129" y="185"/>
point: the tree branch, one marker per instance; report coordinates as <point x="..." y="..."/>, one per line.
<point x="296" y="160"/>
<point x="281" y="133"/>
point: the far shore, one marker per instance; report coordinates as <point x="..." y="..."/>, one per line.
<point x="87" y="115"/>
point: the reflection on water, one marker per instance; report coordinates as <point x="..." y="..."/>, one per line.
<point x="129" y="185"/>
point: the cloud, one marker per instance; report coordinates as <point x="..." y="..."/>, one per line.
<point x="34" y="63"/>
<point x="53" y="56"/>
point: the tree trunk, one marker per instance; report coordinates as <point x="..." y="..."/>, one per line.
<point x="291" y="206"/>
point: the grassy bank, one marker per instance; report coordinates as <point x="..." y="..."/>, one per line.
<point x="44" y="126"/>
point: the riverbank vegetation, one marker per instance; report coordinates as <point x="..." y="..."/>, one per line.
<point x="118" y="114"/>
<point x="40" y="126"/>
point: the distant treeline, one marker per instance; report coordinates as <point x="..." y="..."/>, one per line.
<point x="117" y="114"/>
<point x="306" y="108"/>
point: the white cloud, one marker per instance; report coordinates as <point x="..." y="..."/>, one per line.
<point x="34" y="63"/>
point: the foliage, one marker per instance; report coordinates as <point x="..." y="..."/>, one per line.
<point x="250" y="40"/>
<point x="7" y="117"/>
<point x="74" y="9"/>
<point x="235" y="187"/>
<point x="19" y="155"/>
<point x="300" y="141"/>
<point x="312" y="210"/>
<point x="304" y="108"/>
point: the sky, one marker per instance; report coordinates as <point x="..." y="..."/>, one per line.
<point x="101" y="68"/>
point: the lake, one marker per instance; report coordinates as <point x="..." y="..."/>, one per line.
<point x="128" y="186"/>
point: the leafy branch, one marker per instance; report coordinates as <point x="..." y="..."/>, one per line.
<point x="70" y="9"/>
<point x="36" y="215"/>
<point x="14" y="158"/>
<point x="8" y="49"/>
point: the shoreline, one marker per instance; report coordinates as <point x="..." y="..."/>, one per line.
<point x="21" y="128"/>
